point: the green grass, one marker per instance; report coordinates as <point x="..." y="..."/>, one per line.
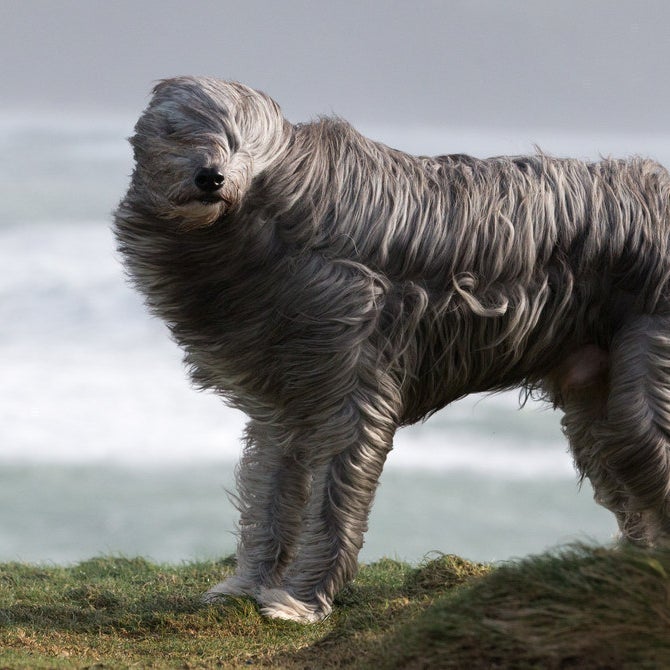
<point x="581" y="608"/>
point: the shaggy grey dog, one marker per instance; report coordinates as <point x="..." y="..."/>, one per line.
<point x="335" y="289"/>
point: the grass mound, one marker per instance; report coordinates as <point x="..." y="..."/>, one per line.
<point x="580" y="608"/>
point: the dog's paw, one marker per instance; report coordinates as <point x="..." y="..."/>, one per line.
<point x="279" y="604"/>
<point x="234" y="586"/>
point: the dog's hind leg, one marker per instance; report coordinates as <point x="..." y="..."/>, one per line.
<point x="585" y="405"/>
<point x="618" y="425"/>
<point x="344" y="488"/>
<point x="273" y="485"/>
<point x="635" y="436"/>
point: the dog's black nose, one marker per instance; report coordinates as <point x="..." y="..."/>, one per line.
<point x="208" y="179"/>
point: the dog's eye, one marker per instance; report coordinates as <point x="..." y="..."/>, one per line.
<point x="169" y="127"/>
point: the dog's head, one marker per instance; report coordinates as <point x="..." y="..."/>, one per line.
<point x="198" y="146"/>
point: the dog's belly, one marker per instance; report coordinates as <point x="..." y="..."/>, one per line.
<point x="555" y="356"/>
<point x="584" y="367"/>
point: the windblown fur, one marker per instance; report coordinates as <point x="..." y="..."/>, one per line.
<point x="335" y="289"/>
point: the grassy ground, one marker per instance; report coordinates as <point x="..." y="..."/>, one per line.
<point x="583" y="608"/>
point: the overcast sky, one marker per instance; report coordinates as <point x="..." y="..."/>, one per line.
<point x="577" y="64"/>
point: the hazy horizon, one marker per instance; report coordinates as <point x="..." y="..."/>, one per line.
<point x="572" y="65"/>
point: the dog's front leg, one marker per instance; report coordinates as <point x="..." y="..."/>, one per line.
<point x="273" y="485"/>
<point x="359" y="440"/>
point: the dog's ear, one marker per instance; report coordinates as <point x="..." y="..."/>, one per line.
<point x="251" y="101"/>
<point x="255" y="108"/>
<point x="160" y="85"/>
<point x="170" y="84"/>
<point x="263" y="128"/>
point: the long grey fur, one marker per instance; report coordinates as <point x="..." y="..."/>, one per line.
<point x="335" y="289"/>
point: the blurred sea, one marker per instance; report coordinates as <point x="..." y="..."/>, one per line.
<point x="104" y="447"/>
